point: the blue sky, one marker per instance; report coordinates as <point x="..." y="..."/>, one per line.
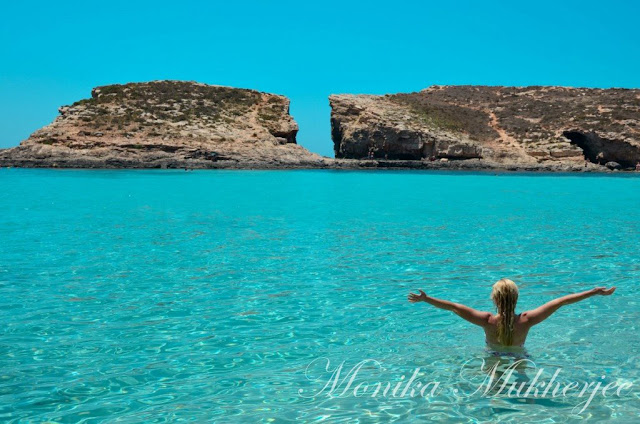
<point x="53" y="53"/>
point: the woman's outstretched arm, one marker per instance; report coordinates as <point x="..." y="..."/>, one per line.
<point x="465" y="312"/>
<point x="536" y="316"/>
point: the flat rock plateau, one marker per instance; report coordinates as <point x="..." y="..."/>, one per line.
<point x="481" y="127"/>
<point x="177" y="124"/>
<point x="167" y="124"/>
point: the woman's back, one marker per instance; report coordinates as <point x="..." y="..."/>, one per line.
<point x="506" y="330"/>
<point x="520" y="330"/>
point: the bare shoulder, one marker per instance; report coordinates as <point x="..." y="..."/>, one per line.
<point x="480" y="318"/>
<point x="524" y="317"/>
<point x="491" y="318"/>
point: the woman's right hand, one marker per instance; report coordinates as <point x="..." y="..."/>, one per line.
<point x="604" y="291"/>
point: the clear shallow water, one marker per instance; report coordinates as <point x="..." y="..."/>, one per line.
<point x="142" y="296"/>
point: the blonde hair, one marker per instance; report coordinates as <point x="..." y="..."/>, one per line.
<point x="505" y="297"/>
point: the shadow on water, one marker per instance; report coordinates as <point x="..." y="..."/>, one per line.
<point x="511" y="381"/>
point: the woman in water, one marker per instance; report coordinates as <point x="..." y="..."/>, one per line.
<point x="507" y="330"/>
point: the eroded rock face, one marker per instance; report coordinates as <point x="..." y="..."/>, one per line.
<point x="167" y="124"/>
<point x="504" y="125"/>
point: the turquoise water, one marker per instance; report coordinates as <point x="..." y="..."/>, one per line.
<point x="158" y="296"/>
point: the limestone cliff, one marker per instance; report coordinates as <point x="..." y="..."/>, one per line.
<point x="527" y="127"/>
<point x="167" y="124"/>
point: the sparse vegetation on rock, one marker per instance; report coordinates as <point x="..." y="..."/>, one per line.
<point x="162" y="124"/>
<point x="509" y="125"/>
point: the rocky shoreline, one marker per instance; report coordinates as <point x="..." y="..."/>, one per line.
<point x="185" y="125"/>
<point x="167" y="124"/>
<point x="527" y="128"/>
<point x="325" y="163"/>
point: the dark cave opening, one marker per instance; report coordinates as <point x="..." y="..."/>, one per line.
<point x="600" y="151"/>
<point x="582" y="141"/>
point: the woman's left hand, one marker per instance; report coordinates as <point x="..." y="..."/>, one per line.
<point x="413" y="298"/>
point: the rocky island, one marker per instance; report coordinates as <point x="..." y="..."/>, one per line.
<point x="177" y="124"/>
<point x="167" y="124"/>
<point x="519" y="128"/>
